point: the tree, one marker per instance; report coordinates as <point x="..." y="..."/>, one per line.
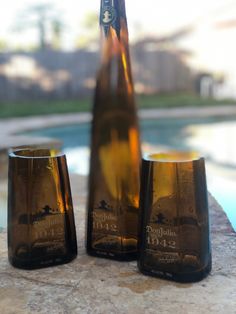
<point x="42" y="17"/>
<point x="3" y="44"/>
<point x="90" y="28"/>
<point x="57" y="29"/>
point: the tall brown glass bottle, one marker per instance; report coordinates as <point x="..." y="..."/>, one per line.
<point x="115" y="147"/>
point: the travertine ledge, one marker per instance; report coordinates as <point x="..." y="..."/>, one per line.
<point x="97" y="286"/>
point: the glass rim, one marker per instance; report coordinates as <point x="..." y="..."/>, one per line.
<point x="173" y="157"/>
<point x="19" y="153"/>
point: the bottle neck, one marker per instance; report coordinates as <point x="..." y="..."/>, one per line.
<point x="115" y="68"/>
<point x="112" y="16"/>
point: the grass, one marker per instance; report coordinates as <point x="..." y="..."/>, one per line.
<point x="30" y="108"/>
<point x="179" y="100"/>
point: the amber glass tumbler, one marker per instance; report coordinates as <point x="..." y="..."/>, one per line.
<point x="174" y="240"/>
<point x="41" y="228"/>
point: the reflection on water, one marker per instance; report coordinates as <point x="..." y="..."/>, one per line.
<point x="213" y="137"/>
<point x="78" y="159"/>
<point x="216" y="141"/>
<point x="3" y="213"/>
<point x="223" y="188"/>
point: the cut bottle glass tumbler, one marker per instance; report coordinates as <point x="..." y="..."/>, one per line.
<point x="41" y="228"/>
<point x="174" y="239"/>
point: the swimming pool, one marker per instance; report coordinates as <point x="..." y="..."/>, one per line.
<point x="212" y="137"/>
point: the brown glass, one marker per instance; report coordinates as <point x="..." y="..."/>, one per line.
<point x="174" y="240"/>
<point x="115" y="149"/>
<point x="41" y="229"/>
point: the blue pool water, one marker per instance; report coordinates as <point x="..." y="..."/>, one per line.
<point x="204" y="135"/>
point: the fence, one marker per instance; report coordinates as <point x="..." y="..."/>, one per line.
<point x="66" y="75"/>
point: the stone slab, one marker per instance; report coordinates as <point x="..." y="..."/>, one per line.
<point x="97" y="286"/>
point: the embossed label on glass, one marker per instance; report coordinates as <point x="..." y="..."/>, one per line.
<point x="47" y="230"/>
<point x="161" y="237"/>
<point x="163" y="242"/>
<point x="104" y="219"/>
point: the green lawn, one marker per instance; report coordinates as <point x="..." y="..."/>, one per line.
<point x="22" y="109"/>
